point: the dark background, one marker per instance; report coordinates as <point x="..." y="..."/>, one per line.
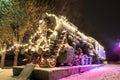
<point x="104" y="16"/>
<point x="96" y="18"/>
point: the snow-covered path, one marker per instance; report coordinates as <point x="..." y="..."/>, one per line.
<point x="107" y="72"/>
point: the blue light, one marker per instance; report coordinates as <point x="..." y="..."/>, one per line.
<point x="119" y="44"/>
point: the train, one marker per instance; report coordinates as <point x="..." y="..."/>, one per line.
<point x="59" y="42"/>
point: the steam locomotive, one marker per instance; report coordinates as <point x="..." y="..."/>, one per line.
<point x="59" y="42"/>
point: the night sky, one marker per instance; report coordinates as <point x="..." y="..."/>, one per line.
<point x="103" y="17"/>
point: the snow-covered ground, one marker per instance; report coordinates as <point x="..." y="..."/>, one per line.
<point x="5" y="74"/>
<point x="107" y="72"/>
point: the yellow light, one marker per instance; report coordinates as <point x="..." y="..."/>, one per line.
<point x="60" y="22"/>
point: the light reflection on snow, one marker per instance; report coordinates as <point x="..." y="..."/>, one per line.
<point x="107" y="72"/>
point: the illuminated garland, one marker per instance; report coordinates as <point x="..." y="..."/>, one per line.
<point x="39" y="31"/>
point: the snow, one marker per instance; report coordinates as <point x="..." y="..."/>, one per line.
<point x="5" y="74"/>
<point x="107" y="72"/>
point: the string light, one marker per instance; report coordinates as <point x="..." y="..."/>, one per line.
<point x="60" y="21"/>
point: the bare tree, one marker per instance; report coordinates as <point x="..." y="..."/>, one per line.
<point x="18" y="17"/>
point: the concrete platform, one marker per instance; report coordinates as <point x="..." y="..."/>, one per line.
<point x="56" y="72"/>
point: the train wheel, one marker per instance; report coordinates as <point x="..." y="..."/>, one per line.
<point x="51" y="62"/>
<point x="42" y="62"/>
